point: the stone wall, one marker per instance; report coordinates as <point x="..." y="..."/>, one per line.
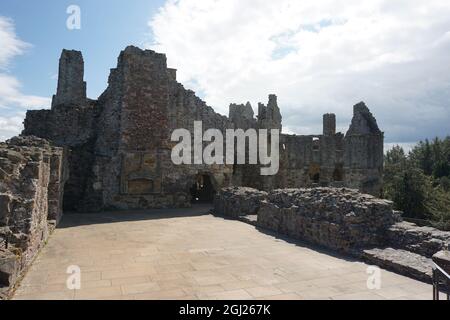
<point x="425" y="241"/>
<point x="340" y="219"/>
<point x="337" y="218"/>
<point x="238" y="201"/>
<point x="32" y="176"/>
<point x="354" y="160"/>
<point x="119" y="145"/>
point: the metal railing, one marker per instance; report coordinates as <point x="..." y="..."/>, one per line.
<point x="441" y="282"/>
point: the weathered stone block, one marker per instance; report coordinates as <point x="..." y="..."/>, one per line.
<point x="9" y="267"/>
<point x="425" y="241"/>
<point x="235" y="202"/>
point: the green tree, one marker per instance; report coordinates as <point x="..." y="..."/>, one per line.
<point x="409" y="192"/>
<point x="419" y="183"/>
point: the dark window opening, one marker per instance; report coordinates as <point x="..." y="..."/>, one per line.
<point x="316" y="178"/>
<point x="202" y="190"/>
<point x="338" y="174"/>
<point x="314" y="173"/>
<point x="316" y="144"/>
<point x="4" y="279"/>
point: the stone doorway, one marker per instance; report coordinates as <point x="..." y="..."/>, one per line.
<point x="314" y="173"/>
<point x="202" y="190"/>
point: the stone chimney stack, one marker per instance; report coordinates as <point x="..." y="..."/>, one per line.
<point x="329" y="124"/>
<point x="71" y="86"/>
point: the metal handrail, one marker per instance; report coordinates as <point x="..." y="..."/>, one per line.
<point x="441" y="282"/>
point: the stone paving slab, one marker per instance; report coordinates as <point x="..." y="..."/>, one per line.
<point x="189" y="254"/>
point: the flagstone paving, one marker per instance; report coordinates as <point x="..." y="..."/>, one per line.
<point x="190" y="254"/>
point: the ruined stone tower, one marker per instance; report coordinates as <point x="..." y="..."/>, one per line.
<point x="71" y="86"/>
<point x="119" y="148"/>
<point x="329" y="124"/>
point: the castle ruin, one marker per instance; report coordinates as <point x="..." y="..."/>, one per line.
<point x="115" y="153"/>
<point x="119" y="149"/>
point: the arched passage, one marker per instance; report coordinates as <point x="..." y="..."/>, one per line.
<point x="314" y="173"/>
<point x="202" y="190"/>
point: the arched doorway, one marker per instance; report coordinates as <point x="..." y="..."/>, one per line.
<point x="314" y="173"/>
<point x="338" y="174"/>
<point x="202" y="190"/>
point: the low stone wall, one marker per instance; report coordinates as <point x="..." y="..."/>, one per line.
<point x="343" y="220"/>
<point x="32" y="176"/>
<point x="337" y="218"/>
<point x="425" y="241"/>
<point x="238" y="201"/>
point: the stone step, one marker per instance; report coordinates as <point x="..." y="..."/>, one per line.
<point x="250" y="219"/>
<point x="401" y="261"/>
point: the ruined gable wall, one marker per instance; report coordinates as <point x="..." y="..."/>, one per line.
<point x="363" y="157"/>
<point x="141" y="108"/>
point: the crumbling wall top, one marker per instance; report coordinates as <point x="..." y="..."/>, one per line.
<point x="363" y="121"/>
<point x="71" y="86"/>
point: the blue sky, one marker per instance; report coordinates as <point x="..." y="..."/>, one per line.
<point x="105" y="31"/>
<point x="317" y="56"/>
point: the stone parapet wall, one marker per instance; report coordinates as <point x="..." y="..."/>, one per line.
<point x="238" y="201"/>
<point x="337" y="218"/>
<point x="425" y="241"/>
<point x="32" y="177"/>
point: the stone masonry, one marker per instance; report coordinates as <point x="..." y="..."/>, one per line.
<point x="342" y="220"/>
<point x="119" y="145"/>
<point x="32" y="176"/>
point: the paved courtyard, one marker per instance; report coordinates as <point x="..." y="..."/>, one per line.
<point x="189" y="254"/>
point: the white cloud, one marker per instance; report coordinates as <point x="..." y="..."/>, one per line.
<point x="321" y="56"/>
<point x="13" y="101"/>
<point x="10" y="95"/>
<point x="10" y="126"/>
<point x="10" y="45"/>
<point x="407" y="146"/>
